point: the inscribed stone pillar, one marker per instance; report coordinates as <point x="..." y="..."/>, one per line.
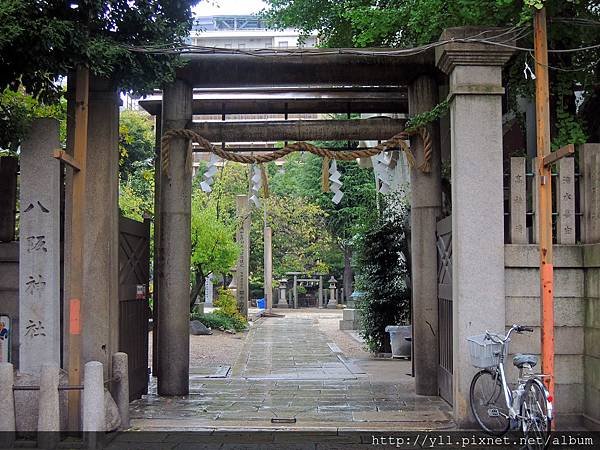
<point x="475" y="80"/>
<point x="39" y="249"/>
<point x="320" y="291"/>
<point x="208" y="290"/>
<point x="565" y="194"/>
<point x="589" y="163"/>
<point x="518" y="201"/>
<point x="425" y="210"/>
<point x="268" y="264"/>
<point x="175" y="245"/>
<point x="100" y="302"/>
<point x="243" y="239"/>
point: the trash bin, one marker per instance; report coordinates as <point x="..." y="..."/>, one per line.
<point x="260" y="303"/>
<point x="400" y="340"/>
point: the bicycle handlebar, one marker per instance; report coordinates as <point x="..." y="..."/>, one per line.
<point x="501" y="340"/>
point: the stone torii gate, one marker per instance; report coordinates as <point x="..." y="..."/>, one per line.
<point x="472" y="73"/>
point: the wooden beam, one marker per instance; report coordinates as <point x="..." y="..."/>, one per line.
<point x="376" y="128"/>
<point x="559" y="154"/>
<point x="67" y="159"/>
<point x="542" y="110"/>
<point x="340" y="67"/>
<point x="77" y="250"/>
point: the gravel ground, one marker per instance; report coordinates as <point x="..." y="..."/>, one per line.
<point x="217" y="349"/>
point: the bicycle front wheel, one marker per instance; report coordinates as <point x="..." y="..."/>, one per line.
<point x="534" y="415"/>
<point x="488" y="404"/>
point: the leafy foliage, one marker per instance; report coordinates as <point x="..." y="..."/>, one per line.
<point x="226" y="305"/>
<point x="42" y="41"/>
<point x="408" y="23"/>
<point x="385" y="274"/>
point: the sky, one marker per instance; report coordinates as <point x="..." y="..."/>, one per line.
<point x="225" y="7"/>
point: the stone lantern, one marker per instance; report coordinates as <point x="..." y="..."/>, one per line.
<point x="282" y="301"/>
<point x="332" y="297"/>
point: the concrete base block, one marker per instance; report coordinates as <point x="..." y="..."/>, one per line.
<point x="346" y="325"/>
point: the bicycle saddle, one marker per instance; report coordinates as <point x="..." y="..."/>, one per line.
<point x="521" y="359"/>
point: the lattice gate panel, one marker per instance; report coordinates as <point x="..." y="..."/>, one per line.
<point x="134" y="275"/>
<point x="445" y="335"/>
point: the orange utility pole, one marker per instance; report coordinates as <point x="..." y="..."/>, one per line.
<point x="545" y="159"/>
<point x="76" y="247"/>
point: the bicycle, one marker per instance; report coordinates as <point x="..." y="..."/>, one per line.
<point x="496" y="407"/>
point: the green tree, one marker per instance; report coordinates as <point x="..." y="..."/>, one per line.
<point x="301" y="178"/>
<point x="214" y="250"/>
<point x="408" y="23"/>
<point x="385" y="274"/>
<point x="43" y="41"/>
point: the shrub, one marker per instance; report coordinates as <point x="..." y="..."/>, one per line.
<point x="213" y="321"/>
<point x="385" y="275"/>
<point x="227" y="307"/>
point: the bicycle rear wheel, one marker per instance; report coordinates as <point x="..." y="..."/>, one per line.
<point x="534" y="415"/>
<point x="488" y="404"/>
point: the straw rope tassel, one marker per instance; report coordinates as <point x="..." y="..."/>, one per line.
<point x="325" y="174"/>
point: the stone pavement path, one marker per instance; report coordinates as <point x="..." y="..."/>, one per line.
<point x="290" y="371"/>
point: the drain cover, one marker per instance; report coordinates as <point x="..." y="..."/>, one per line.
<point x="283" y="420"/>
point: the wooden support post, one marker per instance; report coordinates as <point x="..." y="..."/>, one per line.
<point x="545" y="159"/>
<point x="76" y="244"/>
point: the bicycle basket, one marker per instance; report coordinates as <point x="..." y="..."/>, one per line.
<point x="484" y="352"/>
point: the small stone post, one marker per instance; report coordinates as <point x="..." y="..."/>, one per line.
<point x="7" y="400"/>
<point x="332" y="304"/>
<point x="94" y="415"/>
<point x="120" y="369"/>
<point x="208" y="290"/>
<point x="48" y="407"/>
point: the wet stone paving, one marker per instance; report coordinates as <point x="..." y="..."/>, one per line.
<point x="289" y="372"/>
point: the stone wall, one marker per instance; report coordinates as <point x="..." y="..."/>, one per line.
<point x="577" y="323"/>
<point x="9" y="292"/>
<point x="591" y="355"/>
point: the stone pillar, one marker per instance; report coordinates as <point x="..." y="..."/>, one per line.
<point x="94" y="413"/>
<point x="100" y="302"/>
<point x="243" y="239"/>
<point x="175" y="246"/>
<point x="295" y="291"/>
<point x="7" y="400"/>
<point x="157" y="269"/>
<point x="268" y="268"/>
<point x="39" y="249"/>
<point x="425" y="210"/>
<point x="475" y="80"/>
<point x="48" y="407"/>
<point x="208" y="290"/>
<point x="320" y="290"/>
<point x="589" y="163"/>
<point x="121" y="373"/>
<point x="565" y="194"/>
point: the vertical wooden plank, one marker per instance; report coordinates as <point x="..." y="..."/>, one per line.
<point x="536" y="200"/>
<point x="566" y="201"/>
<point x="76" y="252"/>
<point x="518" y="209"/>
